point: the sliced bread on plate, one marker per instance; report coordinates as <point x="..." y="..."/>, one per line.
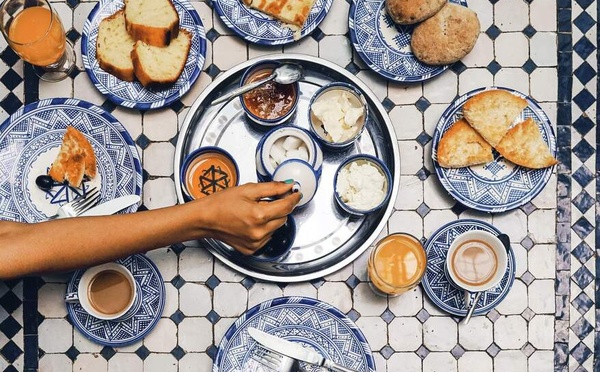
<point x="462" y="146"/>
<point x="161" y="65"/>
<point x="523" y="145"/>
<point x="114" y="46"/>
<point x="154" y="22"/>
<point x="75" y="159"/>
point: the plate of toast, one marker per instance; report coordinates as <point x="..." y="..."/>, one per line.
<point x="272" y="22"/>
<point x="494" y="149"/>
<point x="412" y="41"/>
<point x="143" y="54"/>
<point x="55" y="150"/>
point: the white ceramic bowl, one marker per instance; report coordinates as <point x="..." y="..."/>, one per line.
<point x="271" y="144"/>
<point x="357" y="208"/>
<point x="305" y="178"/>
<point x="331" y="92"/>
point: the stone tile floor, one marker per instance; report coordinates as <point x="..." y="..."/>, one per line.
<point x="548" y="322"/>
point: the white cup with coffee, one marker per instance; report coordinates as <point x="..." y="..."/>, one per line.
<point x="476" y="261"/>
<point x="107" y="292"/>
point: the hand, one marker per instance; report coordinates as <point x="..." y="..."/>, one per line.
<point x="240" y="217"/>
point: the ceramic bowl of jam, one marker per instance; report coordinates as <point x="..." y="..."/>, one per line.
<point x="208" y="170"/>
<point x="362" y="184"/>
<point x="337" y="114"/>
<point x="271" y="103"/>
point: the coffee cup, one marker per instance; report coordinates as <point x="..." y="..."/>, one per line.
<point x="107" y="292"/>
<point x="476" y="261"/>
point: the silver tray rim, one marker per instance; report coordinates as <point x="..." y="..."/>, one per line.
<point x="295" y="57"/>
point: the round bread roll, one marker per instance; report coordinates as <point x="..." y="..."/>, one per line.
<point x="408" y="12"/>
<point x="446" y="37"/>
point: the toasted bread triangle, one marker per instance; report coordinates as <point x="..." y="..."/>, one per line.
<point x="492" y="112"/>
<point x="75" y="159"/>
<point x="462" y="146"/>
<point x="523" y="145"/>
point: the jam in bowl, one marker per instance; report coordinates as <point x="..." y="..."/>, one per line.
<point x="271" y="103"/>
<point x="208" y="170"/>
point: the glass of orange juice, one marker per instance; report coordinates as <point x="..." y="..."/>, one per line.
<point x="34" y="31"/>
<point x="396" y="264"/>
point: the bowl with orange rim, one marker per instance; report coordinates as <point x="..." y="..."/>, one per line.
<point x="208" y="170"/>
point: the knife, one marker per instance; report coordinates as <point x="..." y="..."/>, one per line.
<point x="294" y="350"/>
<point x="112" y="206"/>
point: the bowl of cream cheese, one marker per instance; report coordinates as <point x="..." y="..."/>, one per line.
<point x="362" y="184"/>
<point x="337" y="114"/>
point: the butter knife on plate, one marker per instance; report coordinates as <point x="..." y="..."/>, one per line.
<point x="294" y="350"/>
<point x="112" y="206"/>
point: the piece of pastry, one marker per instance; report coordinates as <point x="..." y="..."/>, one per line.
<point x="523" y="145"/>
<point x="155" y="22"/>
<point x="294" y="12"/>
<point x="161" y="65"/>
<point x="446" y="37"/>
<point x="461" y="146"/>
<point x="75" y="159"/>
<point x="408" y="12"/>
<point x="492" y="112"/>
<point x="114" y="46"/>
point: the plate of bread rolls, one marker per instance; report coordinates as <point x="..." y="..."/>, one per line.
<point x="494" y="149"/>
<point x="143" y="54"/>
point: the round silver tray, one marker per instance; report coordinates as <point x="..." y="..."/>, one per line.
<point x="327" y="238"/>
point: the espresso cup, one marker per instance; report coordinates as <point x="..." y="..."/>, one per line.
<point x="476" y="261"/>
<point x="107" y="292"/>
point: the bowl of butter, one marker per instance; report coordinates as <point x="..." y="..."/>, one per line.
<point x="362" y="184"/>
<point x="338" y="114"/>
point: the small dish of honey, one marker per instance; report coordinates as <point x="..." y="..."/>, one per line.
<point x="271" y="103"/>
<point x="208" y="170"/>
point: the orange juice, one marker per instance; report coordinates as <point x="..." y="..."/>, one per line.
<point x="397" y="264"/>
<point x="37" y="35"/>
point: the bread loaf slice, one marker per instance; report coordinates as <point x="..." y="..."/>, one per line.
<point x="462" y="146"/>
<point x="523" y="145"/>
<point x="114" y="46"/>
<point x="492" y="112"/>
<point x="161" y="65"/>
<point x="75" y="159"/>
<point x="154" y="22"/>
<point x="408" y="12"/>
<point x="294" y="12"/>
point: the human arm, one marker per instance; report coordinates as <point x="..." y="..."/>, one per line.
<point x="236" y="216"/>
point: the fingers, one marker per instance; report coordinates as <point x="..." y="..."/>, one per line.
<point x="281" y="207"/>
<point x="262" y="190"/>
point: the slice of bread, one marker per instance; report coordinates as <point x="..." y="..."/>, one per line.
<point x="523" y="145"/>
<point x="293" y="12"/>
<point x="114" y="46"/>
<point x="446" y="37"/>
<point x="492" y="112"/>
<point x="462" y="146"/>
<point x="408" y="12"/>
<point x="154" y="22"/>
<point x="75" y="159"/>
<point x="157" y="66"/>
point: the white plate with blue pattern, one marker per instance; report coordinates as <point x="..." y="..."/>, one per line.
<point x="312" y="323"/>
<point x="133" y="94"/>
<point x="435" y="283"/>
<point x="500" y="185"/>
<point x="259" y="28"/>
<point x="127" y="331"/>
<point x="30" y="139"/>
<point x="385" y="46"/>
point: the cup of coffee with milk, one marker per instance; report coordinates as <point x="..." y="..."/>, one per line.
<point x="476" y="261"/>
<point x="107" y="292"/>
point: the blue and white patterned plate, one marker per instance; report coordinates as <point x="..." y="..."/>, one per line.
<point x="131" y="330"/>
<point x="29" y="142"/>
<point x="133" y="94"/>
<point x="500" y="185"/>
<point x="311" y="323"/>
<point x="385" y="46"/>
<point x="259" y="28"/>
<point x="435" y="283"/>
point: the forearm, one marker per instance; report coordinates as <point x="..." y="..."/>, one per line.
<point x="68" y="244"/>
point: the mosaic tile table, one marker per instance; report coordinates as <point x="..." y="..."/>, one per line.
<point x="549" y="321"/>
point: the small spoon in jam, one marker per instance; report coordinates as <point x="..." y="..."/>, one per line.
<point x="287" y="73"/>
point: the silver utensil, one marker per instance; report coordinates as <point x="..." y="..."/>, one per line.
<point x="112" y="206"/>
<point x="295" y="351"/>
<point x="78" y="206"/>
<point x="287" y="73"/>
<point x="276" y="361"/>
